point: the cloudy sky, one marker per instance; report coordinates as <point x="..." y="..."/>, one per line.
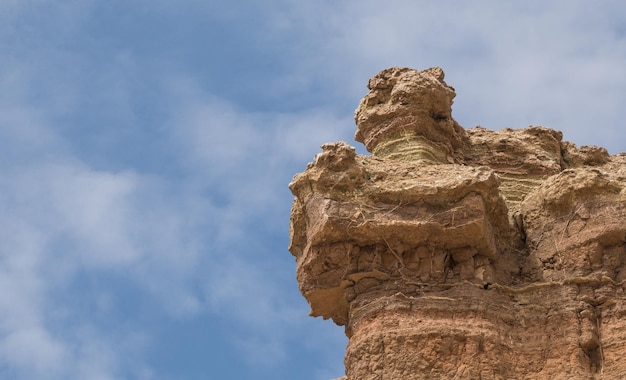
<point x="146" y="147"/>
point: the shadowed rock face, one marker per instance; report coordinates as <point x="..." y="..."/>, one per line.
<point x="453" y="253"/>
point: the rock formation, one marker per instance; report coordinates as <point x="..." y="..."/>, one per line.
<point x="463" y="254"/>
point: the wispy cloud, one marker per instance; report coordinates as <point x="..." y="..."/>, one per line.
<point x="193" y="245"/>
<point x="554" y="63"/>
<point x="146" y="154"/>
<point x="248" y="160"/>
<point x="63" y="222"/>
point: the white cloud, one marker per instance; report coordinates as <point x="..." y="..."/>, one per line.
<point x="244" y="160"/>
<point x="28" y="272"/>
<point x="66" y="202"/>
<point x="33" y="349"/>
<point x="249" y="158"/>
<point x="62" y="220"/>
<point x="201" y="240"/>
<point x="555" y="63"/>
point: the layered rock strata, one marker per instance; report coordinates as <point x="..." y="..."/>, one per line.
<point x="462" y="254"/>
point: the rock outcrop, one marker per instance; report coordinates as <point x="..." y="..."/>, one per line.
<point x="463" y="254"/>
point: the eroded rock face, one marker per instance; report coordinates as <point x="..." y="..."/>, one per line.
<point x="406" y="105"/>
<point x="453" y="253"/>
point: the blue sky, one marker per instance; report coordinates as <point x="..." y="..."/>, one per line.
<point x="146" y="148"/>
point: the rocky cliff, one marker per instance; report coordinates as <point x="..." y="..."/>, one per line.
<point x="463" y="253"/>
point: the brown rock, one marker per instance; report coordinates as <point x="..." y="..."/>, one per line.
<point x="406" y="105"/>
<point x="455" y="253"/>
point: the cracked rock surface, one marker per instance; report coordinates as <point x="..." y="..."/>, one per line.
<point x="454" y="253"/>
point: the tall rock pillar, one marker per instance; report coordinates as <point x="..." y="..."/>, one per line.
<point x="453" y="253"/>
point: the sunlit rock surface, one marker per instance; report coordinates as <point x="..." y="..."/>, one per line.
<point x="462" y="254"/>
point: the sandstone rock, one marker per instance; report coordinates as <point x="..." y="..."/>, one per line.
<point x="461" y="254"/>
<point x="409" y="105"/>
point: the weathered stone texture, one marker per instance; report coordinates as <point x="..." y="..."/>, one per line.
<point x="462" y="254"/>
